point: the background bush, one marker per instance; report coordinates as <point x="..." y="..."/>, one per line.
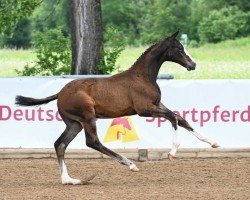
<point x="226" y="23"/>
<point x="53" y="55"/>
<point x="112" y="49"/>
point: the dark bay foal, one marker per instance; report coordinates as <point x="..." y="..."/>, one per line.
<point x="131" y="92"/>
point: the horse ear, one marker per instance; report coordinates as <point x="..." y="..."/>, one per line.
<point x="174" y="35"/>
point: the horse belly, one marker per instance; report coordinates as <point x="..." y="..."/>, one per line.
<point x="113" y="107"/>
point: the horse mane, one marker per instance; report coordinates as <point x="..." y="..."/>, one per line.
<point x="145" y="53"/>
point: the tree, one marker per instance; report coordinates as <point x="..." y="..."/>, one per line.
<point x="20" y="36"/>
<point x="223" y="24"/>
<point x="21" y="21"/>
<point x="86" y="35"/>
<point x="165" y="17"/>
<point x="13" y="10"/>
<point x="50" y="15"/>
<point x="86" y="29"/>
<point x="123" y="15"/>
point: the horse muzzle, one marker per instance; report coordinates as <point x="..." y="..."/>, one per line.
<point x="191" y="66"/>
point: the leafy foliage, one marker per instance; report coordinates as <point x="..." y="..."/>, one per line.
<point x="51" y="15"/>
<point x="223" y="24"/>
<point x="164" y="18"/>
<point x="13" y="10"/>
<point x="140" y="22"/>
<point x="122" y="15"/>
<point x="23" y="25"/>
<point x="20" y="38"/>
<point x="112" y="48"/>
<point x="53" y="55"/>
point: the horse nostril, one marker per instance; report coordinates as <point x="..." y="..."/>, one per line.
<point x="194" y="65"/>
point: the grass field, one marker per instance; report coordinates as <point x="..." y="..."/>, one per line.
<point x="226" y="60"/>
<point x="14" y="59"/>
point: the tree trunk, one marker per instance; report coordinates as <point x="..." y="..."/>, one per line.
<point x="86" y="35"/>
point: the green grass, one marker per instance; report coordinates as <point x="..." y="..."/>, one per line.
<point x="14" y="59"/>
<point x="226" y="60"/>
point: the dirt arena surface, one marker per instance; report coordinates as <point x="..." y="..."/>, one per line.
<point x="181" y="179"/>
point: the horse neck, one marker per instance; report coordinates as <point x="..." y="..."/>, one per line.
<point x="147" y="66"/>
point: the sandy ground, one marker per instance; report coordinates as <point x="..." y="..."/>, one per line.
<point x="180" y="179"/>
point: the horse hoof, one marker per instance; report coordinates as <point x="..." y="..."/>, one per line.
<point x="170" y="157"/>
<point x="215" y="145"/>
<point x="72" y="182"/>
<point x="133" y="168"/>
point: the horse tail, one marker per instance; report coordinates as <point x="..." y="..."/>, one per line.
<point x="27" y="101"/>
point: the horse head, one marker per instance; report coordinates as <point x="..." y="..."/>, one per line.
<point x="170" y="49"/>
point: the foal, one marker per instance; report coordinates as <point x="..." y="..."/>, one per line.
<point x="131" y="92"/>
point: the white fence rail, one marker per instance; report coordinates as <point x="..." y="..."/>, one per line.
<point x="218" y="108"/>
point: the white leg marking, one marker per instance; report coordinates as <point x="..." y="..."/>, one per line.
<point x="66" y="179"/>
<point x="205" y="139"/>
<point x="133" y="168"/>
<point x="127" y="162"/>
<point x="175" y="144"/>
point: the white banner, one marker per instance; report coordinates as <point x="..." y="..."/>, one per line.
<point x="219" y="109"/>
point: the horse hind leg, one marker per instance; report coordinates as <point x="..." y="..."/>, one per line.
<point x="93" y="142"/>
<point x="72" y="129"/>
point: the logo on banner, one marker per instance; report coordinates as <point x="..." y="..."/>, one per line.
<point x="122" y="129"/>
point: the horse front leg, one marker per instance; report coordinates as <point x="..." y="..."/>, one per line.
<point x="183" y="123"/>
<point x="176" y="120"/>
<point x="162" y="111"/>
